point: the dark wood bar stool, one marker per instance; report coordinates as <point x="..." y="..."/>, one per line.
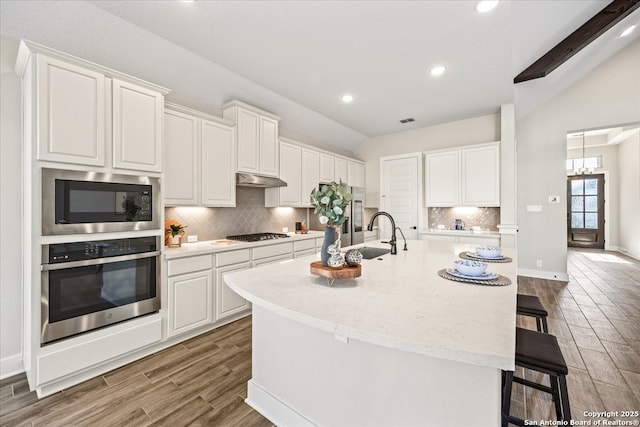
<point x="530" y="305"/>
<point x="539" y="352"/>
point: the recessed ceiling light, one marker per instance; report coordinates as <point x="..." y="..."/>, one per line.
<point x="628" y="30"/>
<point x="347" y="99"/>
<point x="486" y="5"/>
<point x="188" y="1"/>
<point x="438" y="70"/>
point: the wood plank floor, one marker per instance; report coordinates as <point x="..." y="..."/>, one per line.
<point x="203" y="381"/>
<point x="596" y="319"/>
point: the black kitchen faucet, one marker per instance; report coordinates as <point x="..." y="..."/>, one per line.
<point x="392" y="242"/>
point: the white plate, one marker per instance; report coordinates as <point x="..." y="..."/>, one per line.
<point x="484" y="276"/>
<point x="478" y="256"/>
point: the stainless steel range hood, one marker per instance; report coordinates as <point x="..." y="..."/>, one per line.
<point x="244" y="179"/>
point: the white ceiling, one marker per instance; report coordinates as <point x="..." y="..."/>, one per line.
<point x="296" y="58"/>
<point x="601" y="137"/>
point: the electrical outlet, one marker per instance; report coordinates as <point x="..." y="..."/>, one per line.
<point x="192" y="238"/>
<point x="539" y="263"/>
<point x="534" y="208"/>
<point x="285" y="229"/>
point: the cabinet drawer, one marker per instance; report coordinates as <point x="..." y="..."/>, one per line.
<point x="305" y="252"/>
<point x="271" y="260"/>
<point x="272" y="250"/>
<point x="189" y="265"/>
<point x="232" y="257"/>
<point x="304" y="244"/>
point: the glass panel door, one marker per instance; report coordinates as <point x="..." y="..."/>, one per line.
<point x="585" y="211"/>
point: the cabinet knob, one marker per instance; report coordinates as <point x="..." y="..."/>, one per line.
<point x="414" y="227"/>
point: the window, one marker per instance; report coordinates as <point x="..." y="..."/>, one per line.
<point x="588" y="163"/>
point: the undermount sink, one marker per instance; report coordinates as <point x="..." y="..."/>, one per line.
<point x="371" y="253"/>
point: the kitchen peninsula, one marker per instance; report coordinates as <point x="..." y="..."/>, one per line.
<point x="397" y="346"/>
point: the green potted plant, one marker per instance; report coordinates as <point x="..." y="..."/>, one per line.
<point x="175" y="231"/>
<point x="330" y="203"/>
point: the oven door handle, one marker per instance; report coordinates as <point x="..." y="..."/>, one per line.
<point x="87" y="262"/>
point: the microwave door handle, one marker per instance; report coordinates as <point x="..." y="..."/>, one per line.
<point x="99" y="261"/>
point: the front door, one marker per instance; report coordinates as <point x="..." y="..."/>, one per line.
<point x="585" y="211"/>
<point x="399" y="195"/>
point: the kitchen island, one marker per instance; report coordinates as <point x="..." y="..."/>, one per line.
<point x="397" y="346"/>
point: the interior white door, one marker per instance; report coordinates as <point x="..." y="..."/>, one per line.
<point x="400" y="184"/>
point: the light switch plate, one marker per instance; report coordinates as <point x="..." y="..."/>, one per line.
<point x="534" y="208"/>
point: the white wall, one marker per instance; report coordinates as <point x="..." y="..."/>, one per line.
<point x="10" y="218"/>
<point x="463" y="132"/>
<point x="629" y="217"/>
<point x="609" y="155"/>
<point x="607" y="96"/>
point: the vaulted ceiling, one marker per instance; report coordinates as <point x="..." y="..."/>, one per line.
<point x="297" y="58"/>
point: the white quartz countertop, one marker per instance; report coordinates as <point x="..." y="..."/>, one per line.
<point x="399" y="302"/>
<point x="210" y="246"/>
<point x="468" y="232"/>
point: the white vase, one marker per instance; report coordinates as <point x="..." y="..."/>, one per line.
<point x="174" y="241"/>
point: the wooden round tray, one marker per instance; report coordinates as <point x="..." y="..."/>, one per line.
<point x="332" y="273"/>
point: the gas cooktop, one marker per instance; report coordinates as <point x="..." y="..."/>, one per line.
<point x="257" y="237"/>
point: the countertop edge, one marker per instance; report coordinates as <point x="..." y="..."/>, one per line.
<point x="207" y="247"/>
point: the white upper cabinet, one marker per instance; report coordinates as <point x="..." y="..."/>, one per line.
<point x="218" y="164"/>
<point x="181" y="153"/>
<point x="82" y="113"/>
<point x="355" y="174"/>
<point x="269" y="160"/>
<point x="200" y="153"/>
<point x="468" y="176"/>
<point x="341" y="170"/>
<point x="442" y="175"/>
<point x="310" y="174"/>
<point x="248" y="125"/>
<point x="257" y="138"/>
<point x="291" y="173"/>
<point x="481" y="176"/>
<point x="327" y="168"/>
<point x="301" y="168"/>
<point x="71" y="113"/>
<point x="137" y="127"/>
<point x="334" y="168"/>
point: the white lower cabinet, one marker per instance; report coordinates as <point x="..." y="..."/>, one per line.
<point x="272" y="253"/>
<point x="228" y="302"/>
<point x="473" y="240"/>
<point x="189" y="293"/>
<point x="304" y="248"/>
<point x="190" y="301"/>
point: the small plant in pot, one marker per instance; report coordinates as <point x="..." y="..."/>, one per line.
<point x="330" y="203"/>
<point x="173" y="232"/>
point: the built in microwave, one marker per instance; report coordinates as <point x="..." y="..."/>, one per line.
<point x="90" y="202"/>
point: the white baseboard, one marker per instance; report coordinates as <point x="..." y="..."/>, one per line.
<point x="273" y="408"/>
<point x="10" y="366"/>
<point x="625" y="252"/>
<point x="540" y="274"/>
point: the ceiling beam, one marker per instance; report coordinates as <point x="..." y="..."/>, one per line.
<point x="613" y="13"/>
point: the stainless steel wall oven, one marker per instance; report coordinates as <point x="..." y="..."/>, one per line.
<point x="87" y="285"/>
<point x="90" y="202"/>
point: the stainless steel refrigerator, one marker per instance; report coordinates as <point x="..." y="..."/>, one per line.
<point x="353" y="227"/>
